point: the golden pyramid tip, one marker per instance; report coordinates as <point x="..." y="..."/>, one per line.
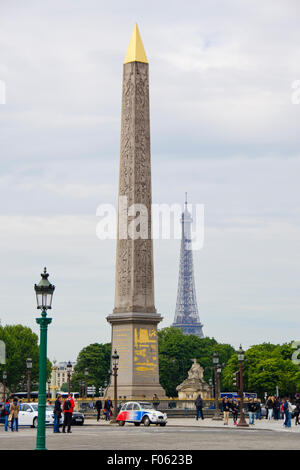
<point x="136" y="51"/>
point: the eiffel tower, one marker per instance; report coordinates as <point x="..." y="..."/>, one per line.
<point x="186" y="314"/>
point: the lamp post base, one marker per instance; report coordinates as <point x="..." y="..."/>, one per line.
<point x="242" y="423"/>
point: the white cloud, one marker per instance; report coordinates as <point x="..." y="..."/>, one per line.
<point x="223" y="128"/>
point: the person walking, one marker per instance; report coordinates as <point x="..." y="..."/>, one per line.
<point x="14" y="414"/>
<point x="108" y="405"/>
<point x="296" y="414"/>
<point x="251" y="410"/>
<point x="68" y="407"/>
<point x="199" y="407"/>
<point x="258" y="409"/>
<point x="287" y="410"/>
<point x="276" y="408"/>
<point x="297" y="409"/>
<point x="270" y="407"/>
<point x="57" y="413"/>
<point x="234" y="410"/>
<point x="98" y="405"/>
<point x="6" y="413"/>
<point x="226" y="409"/>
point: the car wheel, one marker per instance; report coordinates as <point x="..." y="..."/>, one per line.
<point x="146" y="421"/>
<point x="137" y="424"/>
<point x="121" y="423"/>
<point x="34" y="423"/>
<point x="162" y="424"/>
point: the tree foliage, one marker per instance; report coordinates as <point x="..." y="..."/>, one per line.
<point x="267" y="366"/>
<point x="96" y="357"/>
<point x="176" y="351"/>
<point x="21" y="343"/>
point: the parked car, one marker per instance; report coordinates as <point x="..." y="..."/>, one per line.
<point x="141" y="412"/>
<point x="28" y="415"/>
<point x="77" y="418"/>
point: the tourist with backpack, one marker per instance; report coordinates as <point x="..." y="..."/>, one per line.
<point x="68" y="407"/>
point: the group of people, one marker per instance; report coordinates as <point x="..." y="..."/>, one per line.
<point x="66" y="408"/>
<point x="276" y="408"/>
<point x="230" y="405"/>
<point x="107" y="410"/>
<point x="12" y="409"/>
<point x="11" y="414"/>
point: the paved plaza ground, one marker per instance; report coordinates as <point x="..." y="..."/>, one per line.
<point x="179" y="434"/>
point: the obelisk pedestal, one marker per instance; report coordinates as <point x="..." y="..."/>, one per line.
<point x="134" y="319"/>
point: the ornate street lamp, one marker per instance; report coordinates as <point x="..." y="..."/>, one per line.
<point x="69" y="370"/>
<point x="86" y="374"/>
<point x="4" y="375"/>
<point x="241" y="357"/>
<point x="217" y="415"/>
<point x="115" y="362"/>
<point x="29" y="367"/>
<point x="44" y="293"/>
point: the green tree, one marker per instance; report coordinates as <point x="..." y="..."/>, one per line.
<point x="96" y="357"/>
<point x="21" y="343"/>
<point x="176" y="351"/>
<point x="267" y="366"/>
<point x="64" y="387"/>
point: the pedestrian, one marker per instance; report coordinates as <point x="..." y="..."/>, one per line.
<point x="251" y="410"/>
<point x="68" y="407"/>
<point x="297" y="409"/>
<point x="98" y="408"/>
<point x="226" y="409"/>
<point x="276" y="408"/>
<point x="6" y="413"/>
<point x="287" y="409"/>
<point x="108" y="405"/>
<point x="14" y="414"/>
<point x="234" y="411"/>
<point x="296" y="414"/>
<point x="258" y="409"/>
<point x="156" y="401"/>
<point x="57" y="413"/>
<point x="269" y="408"/>
<point x="199" y="407"/>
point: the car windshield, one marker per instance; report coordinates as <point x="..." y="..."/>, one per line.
<point x="146" y="406"/>
<point x="35" y="407"/>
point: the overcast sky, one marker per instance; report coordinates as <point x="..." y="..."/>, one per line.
<point x="223" y="128"/>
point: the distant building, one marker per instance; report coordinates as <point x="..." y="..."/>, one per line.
<point x="62" y="373"/>
<point x="186" y="314"/>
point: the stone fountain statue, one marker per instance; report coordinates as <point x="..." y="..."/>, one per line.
<point x="194" y="385"/>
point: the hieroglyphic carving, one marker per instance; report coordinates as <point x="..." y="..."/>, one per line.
<point x="134" y="269"/>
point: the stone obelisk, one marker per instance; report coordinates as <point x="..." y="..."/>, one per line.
<point x="134" y="319"/>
